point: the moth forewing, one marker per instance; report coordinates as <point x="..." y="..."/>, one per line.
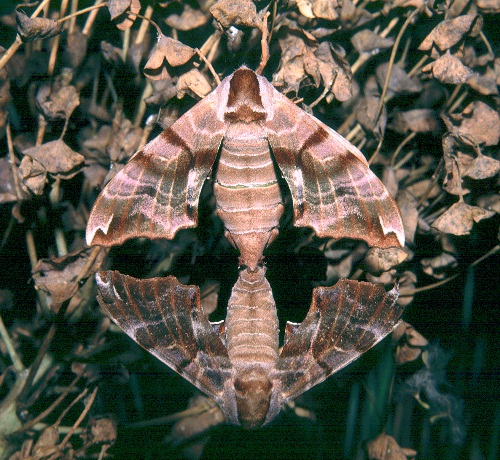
<point x="333" y="190"/>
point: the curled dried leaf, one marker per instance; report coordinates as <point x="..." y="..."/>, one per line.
<point x="416" y="120"/>
<point x="381" y="260"/>
<point x="57" y="100"/>
<point x="102" y="431"/>
<point x="484" y="83"/>
<point x="124" y="12"/>
<point x="169" y="51"/>
<point x="449" y="69"/>
<point x="30" y="29"/>
<point x="439" y="265"/>
<point x="367" y="41"/>
<point x="460" y="217"/>
<point x="60" y="276"/>
<point x="450" y="31"/>
<point x="33" y="175"/>
<point x="57" y="158"/>
<point x="482" y="167"/>
<point x="407" y="204"/>
<point x="410" y="343"/>
<point x="235" y="13"/>
<point x="385" y="447"/>
<point x="47" y="442"/>
<point x="399" y="81"/>
<point x="76" y="47"/>
<point x="478" y="122"/>
<point x="124" y="142"/>
<point x="489" y="6"/>
<point x="7" y="184"/>
<point x="189" y="19"/>
<point x="195" y="82"/>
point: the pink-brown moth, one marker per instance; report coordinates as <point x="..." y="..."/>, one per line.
<point x="246" y="127"/>
<point x="238" y="363"/>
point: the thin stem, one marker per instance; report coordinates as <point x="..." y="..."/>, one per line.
<point x="11" y="349"/>
<point x="391" y="61"/>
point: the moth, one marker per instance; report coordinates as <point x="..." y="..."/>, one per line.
<point x="237" y="362"/>
<point x="247" y="132"/>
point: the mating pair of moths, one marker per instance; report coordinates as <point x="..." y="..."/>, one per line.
<point x="249" y="131"/>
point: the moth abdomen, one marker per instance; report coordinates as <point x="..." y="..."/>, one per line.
<point x="247" y="192"/>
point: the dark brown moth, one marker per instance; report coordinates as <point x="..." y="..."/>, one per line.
<point x="238" y="363"/>
<point x="246" y="127"/>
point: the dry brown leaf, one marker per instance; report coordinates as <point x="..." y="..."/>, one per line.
<point x="482" y="167"/>
<point x="235" y="13"/>
<point x="58" y="100"/>
<point x="367" y="41"/>
<point x="291" y="72"/>
<point x="385" y="447"/>
<point x="189" y="19"/>
<point x="101" y="431"/>
<point x="163" y="91"/>
<point x="47" y="443"/>
<point x="460" y="217"/>
<point x="399" y="81"/>
<point x="450" y="31"/>
<point x="454" y="166"/>
<point x="7" y="184"/>
<point x="381" y="260"/>
<point x="327" y="66"/>
<point x="490" y="202"/>
<point x="407" y="285"/>
<point x="170" y="51"/>
<point x="478" y="122"/>
<point x="124" y="142"/>
<point x="449" y="69"/>
<point x="111" y="53"/>
<point x="439" y="265"/>
<point x="33" y="175"/>
<point x="30" y="29"/>
<point x="59" y="276"/>
<point x="123" y="12"/>
<point x="195" y="82"/>
<point x="326" y="9"/>
<point x="57" y="158"/>
<point x="428" y="187"/>
<point x="484" y="84"/>
<point x="409" y="343"/>
<point x="416" y="120"/>
<point x="76" y="47"/>
<point x="408" y="206"/>
<point x="489" y="6"/>
<point x="367" y="109"/>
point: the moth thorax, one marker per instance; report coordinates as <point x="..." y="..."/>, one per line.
<point x="253" y="393"/>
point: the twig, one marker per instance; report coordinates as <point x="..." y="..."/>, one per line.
<point x="49" y="409"/>
<point x="264" y="45"/>
<point x="11" y="349"/>
<point x="411" y="293"/>
<point x="391" y="61"/>
<point x="81" y="417"/>
<point x="18" y="41"/>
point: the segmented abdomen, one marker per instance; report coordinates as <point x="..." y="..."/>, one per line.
<point x="247" y="192"/>
<point x="252" y="322"/>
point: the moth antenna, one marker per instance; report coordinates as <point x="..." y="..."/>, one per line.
<point x="265" y="46"/>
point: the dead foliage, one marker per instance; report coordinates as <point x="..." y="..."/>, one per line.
<point x="83" y="86"/>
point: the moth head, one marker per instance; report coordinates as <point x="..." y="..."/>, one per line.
<point x="253" y="394"/>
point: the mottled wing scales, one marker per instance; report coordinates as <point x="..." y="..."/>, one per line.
<point x="332" y="187"/>
<point x="157" y="192"/>
<point x="166" y="318"/>
<point x="343" y="322"/>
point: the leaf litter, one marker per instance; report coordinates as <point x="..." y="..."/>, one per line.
<point x="414" y="85"/>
